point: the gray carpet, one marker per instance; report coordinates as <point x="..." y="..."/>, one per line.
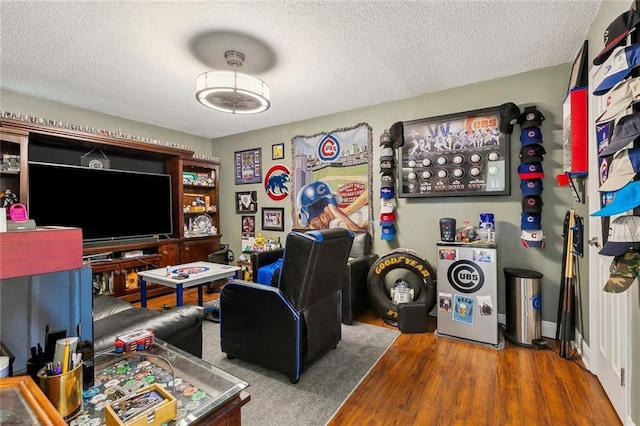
<point x="322" y="387"/>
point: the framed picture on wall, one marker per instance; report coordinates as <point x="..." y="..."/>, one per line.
<point x="248" y="166"/>
<point x="277" y="151"/>
<point x="579" y="71"/>
<point x="248" y="225"/>
<point x="247" y="202"/>
<point x="453" y="155"/>
<point x="273" y="219"/>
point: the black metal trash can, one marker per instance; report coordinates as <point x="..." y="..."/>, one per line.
<point x="523" y="306"/>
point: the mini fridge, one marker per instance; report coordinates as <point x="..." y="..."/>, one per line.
<point x="467" y="283"/>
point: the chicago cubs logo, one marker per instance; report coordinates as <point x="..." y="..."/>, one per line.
<point x="191" y="270"/>
<point x="536" y="302"/>
<point x="328" y="149"/>
<point x="275" y="182"/>
<point x="465" y="276"/>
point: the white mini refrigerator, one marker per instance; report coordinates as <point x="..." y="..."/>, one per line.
<point x="467" y="282"/>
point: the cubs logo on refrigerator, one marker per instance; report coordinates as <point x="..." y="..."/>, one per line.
<point x="468" y="291"/>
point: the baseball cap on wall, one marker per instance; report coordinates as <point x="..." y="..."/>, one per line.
<point x="530" y="221"/>
<point x="509" y="114"/>
<point x="532" y="153"/>
<point x="530" y="136"/>
<point x="387" y="192"/>
<point x="624" y="235"/>
<point x="626" y="130"/>
<point x="530" y="171"/>
<point x="620" y="98"/>
<point x="621" y="201"/>
<point x="622" y="170"/>
<point x="387" y="219"/>
<point x="531" y="117"/>
<point x="622" y="61"/>
<point x="386" y="154"/>
<point x="386" y="180"/>
<point x="532" y="204"/>
<point x="531" y="187"/>
<point x="387" y="205"/>
<point x="623" y="272"/>
<point x="616" y="33"/>
<point x="388" y="233"/>
<point x="533" y="239"/>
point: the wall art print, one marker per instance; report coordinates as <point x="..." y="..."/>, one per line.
<point x="332" y="179"/>
<point x="248" y="166"/>
<point x="247" y="202"/>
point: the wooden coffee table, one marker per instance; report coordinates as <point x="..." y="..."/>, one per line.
<point x="205" y="393"/>
<point x="199" y="273"/>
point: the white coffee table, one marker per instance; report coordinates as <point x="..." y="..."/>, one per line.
<point x="199" y="273"/>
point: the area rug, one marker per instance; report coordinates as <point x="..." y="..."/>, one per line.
<point x="322" y="387"/>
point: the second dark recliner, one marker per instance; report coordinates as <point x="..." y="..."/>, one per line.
<point x="286" y="328"/>
<point x="355" y="296"/>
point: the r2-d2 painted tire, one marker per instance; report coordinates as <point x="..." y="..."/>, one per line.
<point x="413" y="263"/>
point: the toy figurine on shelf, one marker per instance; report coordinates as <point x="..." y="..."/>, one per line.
<point x="8" y="198"/>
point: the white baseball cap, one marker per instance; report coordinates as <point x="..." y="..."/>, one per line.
<point x="623" y="168"/>
<point x="387" y="205"/>
<point x="533" y="239"/>
<point x="624" y="234"/>
<point x="620" y="98"/>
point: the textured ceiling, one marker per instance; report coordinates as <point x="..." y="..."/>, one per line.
<point x="140" y="59"/>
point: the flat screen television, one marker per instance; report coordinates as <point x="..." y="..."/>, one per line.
<point x="107" y="204"/>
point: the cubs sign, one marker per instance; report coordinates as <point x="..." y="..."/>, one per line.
<point x="276" y="182"/>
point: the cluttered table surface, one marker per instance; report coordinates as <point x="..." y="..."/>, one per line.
<point x="201" y="389"/>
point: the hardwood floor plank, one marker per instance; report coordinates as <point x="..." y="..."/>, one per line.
<point x="425" y="379"/>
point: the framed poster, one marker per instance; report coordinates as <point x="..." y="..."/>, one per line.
<point x="273" y="219"/>
<point x="247" y="202"/>
<point x="454" y="155"/>
<point x="579" y="76"/>
<point x="248" y="167"/>
<point x="277" y="151"/>
<point x="248" y="226"/>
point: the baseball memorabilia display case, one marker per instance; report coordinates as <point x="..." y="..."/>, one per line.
<point x="463" y="154"/>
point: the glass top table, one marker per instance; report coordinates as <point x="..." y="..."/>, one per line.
<point x="202" y="390"/>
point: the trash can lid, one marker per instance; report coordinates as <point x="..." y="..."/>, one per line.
<point x="522" y="273"/>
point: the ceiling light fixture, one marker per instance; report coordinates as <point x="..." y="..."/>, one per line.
<point x="232" y="91"/>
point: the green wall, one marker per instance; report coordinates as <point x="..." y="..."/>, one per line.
<point x="418" y="217"/>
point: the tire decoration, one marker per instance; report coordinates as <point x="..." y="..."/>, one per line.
<point x="410" y="261"/>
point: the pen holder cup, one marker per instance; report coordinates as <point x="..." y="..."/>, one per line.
<point x="63" y="390"/>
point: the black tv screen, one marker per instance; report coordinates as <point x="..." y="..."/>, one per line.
<point x="107" y="204"/>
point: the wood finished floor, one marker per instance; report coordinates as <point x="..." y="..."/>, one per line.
<point x="424" y="379"/>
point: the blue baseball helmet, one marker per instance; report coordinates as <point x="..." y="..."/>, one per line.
<point x="312" y="199"/>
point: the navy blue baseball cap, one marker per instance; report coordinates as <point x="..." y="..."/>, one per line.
<point x="531" y="135"/>
<point x="621" y="201"/>
<point x="531" y="187"/>
<point x="387" y="193"/>
<point x="530" y="171"/>
<point x="530" y="221"/>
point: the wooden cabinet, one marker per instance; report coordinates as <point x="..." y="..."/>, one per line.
<point x="194" y="249"/>
<point x="199" y="198"/>
<point x="13" y="157"/>
<point x="116" y="273"/>
<point x="199" y="220"/>
<point x="194" y="195"/>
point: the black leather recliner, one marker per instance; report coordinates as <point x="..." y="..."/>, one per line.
<point x="355" y="296"/>
<point x="286" y="328"/>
